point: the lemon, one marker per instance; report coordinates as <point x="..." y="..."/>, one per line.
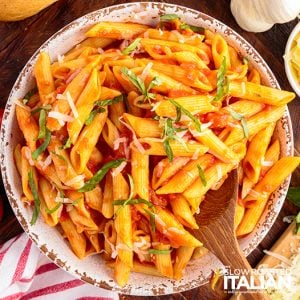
<point x="15" y="10"/>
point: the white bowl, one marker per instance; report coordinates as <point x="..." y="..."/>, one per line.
<point x="292" y="80"/>
<point x="49" y="240"/>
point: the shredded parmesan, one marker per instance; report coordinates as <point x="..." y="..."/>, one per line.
<point x="19" y="103"/>
<point x="118" y="141"/>
<point x="146" y="70"/>
<point x="44" y="164"/>
<point x="159" y="221"/>
<point x="266" y="163"/>
<point x="69" y="207"/>
<point x="72" y="105"/>
<point x="180" y="37"/>
<point x="60" y="117"/>
<point x="288" y="219"/>
<point x="28" y="156"/>
<point x="160" y="31"/>
<point x="119" y="169"/>
<point x="76" y="179"/>
<point x="61" y="97"/>
<point x="136" y="142"/>
<point x="155" y="105"/>
<point x="73" y="75"/>
<point x="196" y="154"/>
<point x="100" y="50"/>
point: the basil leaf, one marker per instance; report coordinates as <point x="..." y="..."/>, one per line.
<point x="54" y="209"/>
<point x="235" y="115"/>
<point x="169" y="17"/>
<point x="59" y="156"/>
<point x="156" y="81"/>
<point x="294" y="195"/>
<point x="91" y="184"/>
<point x="201" y="175"/>
<point x="42" y="125"/>
<point x="135" y="80"/>
<point x="196" y="122"/>
<point x="245" y="60"/>
<point x="178" y="114"/>
<point x="131" y="47"/>
<point x="93" y="114"/>
<point x="132" y="202"/>
<point x="131" y="185"/>
<point x="36" y="198"/>
<point x="220" y="80"/>
<point x="29" y="95"/>
<point x="38" y="109"/>
<point x="109" y="101"/>
<point x="168" y="150"/>
<point x="44" y="146"/>
<point x="152" y="219"/>
<point x="196" y="29"/>
<point x="67" y="144"/>
<point x="157" y="251"/>
<point x="297" y="219"/>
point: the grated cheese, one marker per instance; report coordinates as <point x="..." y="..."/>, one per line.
<point x="155" y="106"/>
<point x="28" y="156"/>
<point x="136" y="142"/>
<point x="75" y="180"/>
<point x="61" y="97"/>
<point x="266" y="163"/>
<point x="73" y="75"/>
<point x="118" y="141"/>
<point x="44" y="164"/>
<point x="60" y="117"/>
<point x="72" y="105"/>
<point x="146" y="70"/>
<point x="119" y="169"/>
<point x="180" y="37"/>
<point x="19" y="103"/>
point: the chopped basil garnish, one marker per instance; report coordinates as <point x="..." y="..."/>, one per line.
<point x="93" y="114"/>
<point x="196" y="121"/>
<point x="294" y="195"/>
<point x="42" y="125"/>
<point x="168" y="150"/>
<point x="196" y="29"/>
<point x="133" y="202"/>
<point x="109" y="101"/>
<point x="128" y="50"/>
<point x="297" y="219"/>
<point x="169" y="17"/>
<point x="91" y="184"/>
<point x="152" y="219"/>
<point x="140" y="85"/>
<point x="38" y="109"/>
<point x="44" y="146"/>
<point x="235" y="115"/>
<point x="29" y="95"/>
<point x="157" y="251"/>
<point x="245" y="61"/>
<point x="36" y="198"/>
<point x="59" y="156"/>
<point x="54" y="209"/>
<point x="67" y="144"/>
<point x="201" y="175"/>
<point x="221" y="81"/>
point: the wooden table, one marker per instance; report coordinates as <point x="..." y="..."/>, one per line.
<point x="20" y="40"/>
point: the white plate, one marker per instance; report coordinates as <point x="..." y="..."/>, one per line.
<point x="93" y="269"/>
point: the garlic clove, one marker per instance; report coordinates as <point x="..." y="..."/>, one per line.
<point x="246" y="15"/>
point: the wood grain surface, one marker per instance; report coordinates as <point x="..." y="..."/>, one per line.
<point x="19" y="40"/>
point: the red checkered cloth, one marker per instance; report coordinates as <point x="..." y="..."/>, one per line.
<point x="26" y="273"/>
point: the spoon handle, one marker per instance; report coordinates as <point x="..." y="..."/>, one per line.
<point x="225" y="246"/>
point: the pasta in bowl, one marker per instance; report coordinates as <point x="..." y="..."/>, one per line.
<point x="125" y="134"/>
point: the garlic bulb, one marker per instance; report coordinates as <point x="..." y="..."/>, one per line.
<point x="257" y="16"/>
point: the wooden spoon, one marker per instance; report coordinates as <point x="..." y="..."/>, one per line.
<point x="217" y="233"/>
